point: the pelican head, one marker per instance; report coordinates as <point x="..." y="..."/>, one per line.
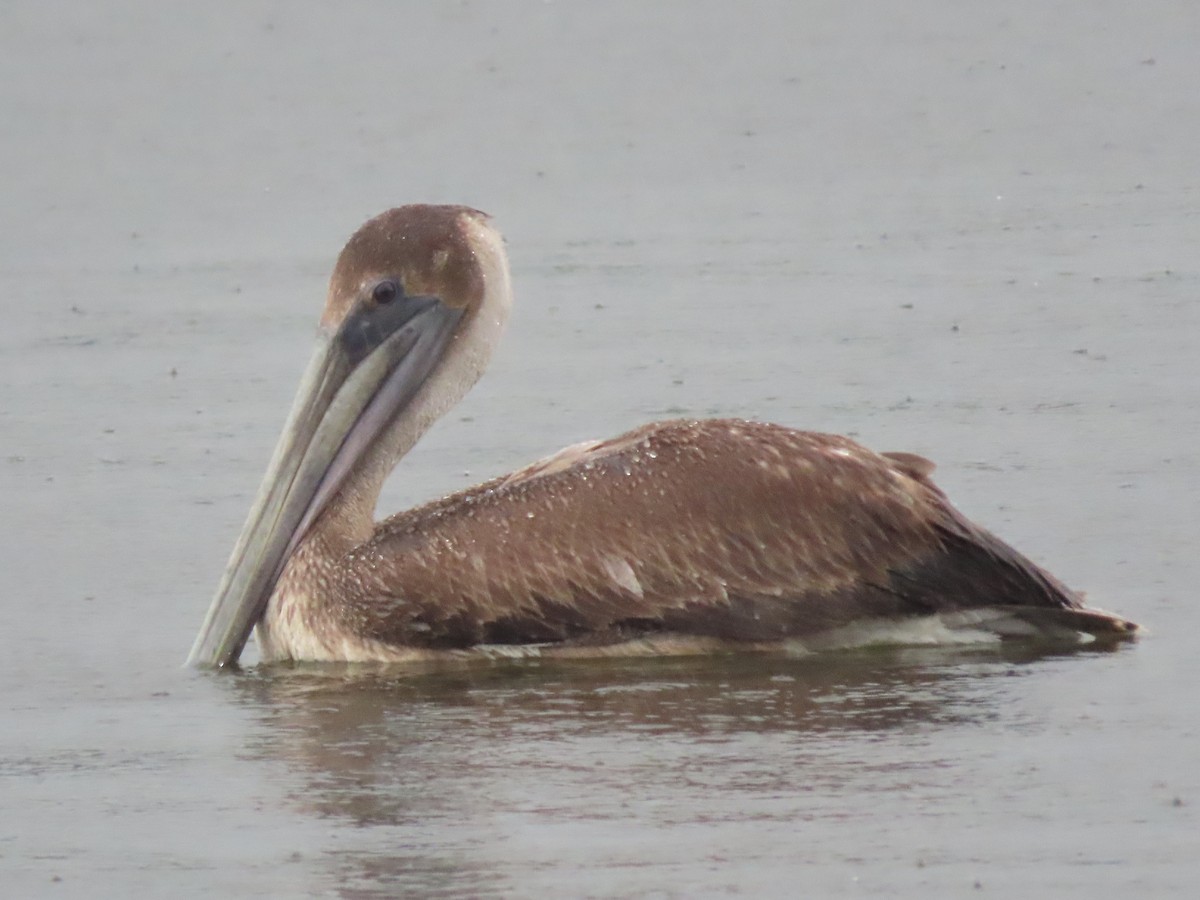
<point x="417" y="301"/>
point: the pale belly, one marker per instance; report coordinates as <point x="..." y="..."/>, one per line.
<point x="282" y="635"/>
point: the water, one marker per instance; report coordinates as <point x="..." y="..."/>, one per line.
<point x="958" y="230"/>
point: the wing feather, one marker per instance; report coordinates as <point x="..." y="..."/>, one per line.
<point x="721" y="528"/>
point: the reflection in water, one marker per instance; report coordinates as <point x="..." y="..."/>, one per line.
<point x="521" y="776"/>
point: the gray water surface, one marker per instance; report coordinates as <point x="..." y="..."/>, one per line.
<point x="961" y="230"/>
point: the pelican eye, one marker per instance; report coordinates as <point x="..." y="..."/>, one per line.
<point x="385" y="292"/>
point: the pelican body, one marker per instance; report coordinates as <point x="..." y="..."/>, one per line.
<point x="679" y="537"/>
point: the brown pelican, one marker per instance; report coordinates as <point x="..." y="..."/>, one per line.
<point x="678" y="537"/>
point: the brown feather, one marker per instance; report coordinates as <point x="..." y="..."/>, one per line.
<point x="744" y="531"/>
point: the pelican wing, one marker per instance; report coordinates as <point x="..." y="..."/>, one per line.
<point x="729" y="529"/>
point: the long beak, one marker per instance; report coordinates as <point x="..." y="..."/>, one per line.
<point x="359" y="379"/>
